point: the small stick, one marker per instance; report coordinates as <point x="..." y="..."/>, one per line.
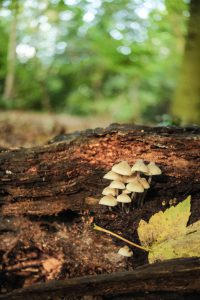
<point x="96" y="227"/>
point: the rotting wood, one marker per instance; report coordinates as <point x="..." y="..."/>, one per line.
<point x="46" y="193"/>
<point x="180" y="277"/>
<point x="67" y="173"/>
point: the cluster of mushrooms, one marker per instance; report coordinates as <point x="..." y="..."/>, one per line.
<point x="128" y="184"/>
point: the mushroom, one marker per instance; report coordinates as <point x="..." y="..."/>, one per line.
<point x="139" y="166"/>
<point x="126" y="191"/>
<point x="117" y="185"/>
<point x="109" y="191"/>
<point x="108" y="200"/>
<point x="146" y="186"/>
<point x="135" y="186"/>
<point x="124" y="198"/>
<point x="153" y="169"/>
<point x="144" y="183"/>
<point x="125" y="251"/>
<point x="122" y="168"/>
<point x="112" y="176"/>
<point x="131" y="178"/>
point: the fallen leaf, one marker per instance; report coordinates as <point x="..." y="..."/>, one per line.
<point x="167" y="236"/>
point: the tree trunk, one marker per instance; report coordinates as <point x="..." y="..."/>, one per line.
<point x="186" y="104"/>
<point x="11" y="57"/>
<point x="49" y="198"/>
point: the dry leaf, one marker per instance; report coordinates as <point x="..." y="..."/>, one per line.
<point x="167" y="236"/>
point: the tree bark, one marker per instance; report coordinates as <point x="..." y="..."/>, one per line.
<point x="186" y="104"/>
<point x="172" y="279"/>
<point x="49" y="198"/>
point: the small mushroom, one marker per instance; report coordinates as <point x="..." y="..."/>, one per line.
<point x="117" y="185"/>
<point x="108" y="200"/>
<point x="131" y="178"/>
<point x="126" y="191"/>
<point x="124" y="198"/>
<point x="125" y="251"/>
<point x="144" y="182"/>
<point x="122" y="168"/>
<point x="139" y="166"/>
<point x="109" y="191"/>
<point x="153" y="169"/>
<point x="112" y="176"/>
<point x="136" y="187"/>
<point x="146" y="186"/>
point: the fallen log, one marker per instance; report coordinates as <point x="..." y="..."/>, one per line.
<point x="62" y="175"/>
<point x="172" y="279"/>
<point x="49" y="197"/>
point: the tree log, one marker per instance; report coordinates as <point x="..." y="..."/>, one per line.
<point x="62" y="175"/>
<point x="166" y="280"/>
<point x="49" y="197"/>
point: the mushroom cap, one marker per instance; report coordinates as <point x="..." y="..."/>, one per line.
<point x="108" y="191"/>
<point x="153" y="169"/>
<point x="125" y="251"/>
<point x="131" y="178"/>
<point x="126" y="191"/>
<point x="112" y="176"/>
<point x="108" y="200"/>
<point x="144" y="183"/>
<point x="139" y="166"/>
<point x="124" y="198"/>
<point x="122" y="168"/>
<point x="117" y="185"/>
<point x="136" y="187"/>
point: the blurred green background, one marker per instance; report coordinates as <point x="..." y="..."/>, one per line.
<point x="128" y="60"/>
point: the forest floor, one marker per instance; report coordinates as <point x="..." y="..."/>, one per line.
<point x="28" y="129"/>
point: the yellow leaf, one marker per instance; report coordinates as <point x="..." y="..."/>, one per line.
<point x="164" y="225"/>
<point x="167" y="236"/>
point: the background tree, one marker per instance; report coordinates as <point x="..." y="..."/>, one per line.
<point x="186" y="104"/>
<point x="11" y="53"/>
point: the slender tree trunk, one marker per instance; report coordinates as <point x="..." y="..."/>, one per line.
<point x="186" y="103"/>
<point x="11" y="58"/>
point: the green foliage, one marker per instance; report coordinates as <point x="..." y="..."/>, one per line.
<point x="96" y="57"/>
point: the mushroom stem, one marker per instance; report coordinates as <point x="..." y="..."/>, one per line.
<point x="96" y="227"/>
<point x="141" y="199"/>
<point x="127" y="208"/>
<point x="133" y="197"/>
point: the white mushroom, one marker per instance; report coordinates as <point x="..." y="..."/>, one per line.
<point x="125" y="251"/>
<point x="109" y="191"/>
<point x="117" y="185"/>
<point x="144" y="182"/>
<point x="139" y="166"/>
<point x="108" y="200"/>
<point x="136" y="187"/>
<point x="126" y="191"/>
<point x="112" y="176"/>
<point x="123" y="198"/>
<point x="122" y="168"/>
<point x="153" y="169"/>
<point x="131" y="178"/>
